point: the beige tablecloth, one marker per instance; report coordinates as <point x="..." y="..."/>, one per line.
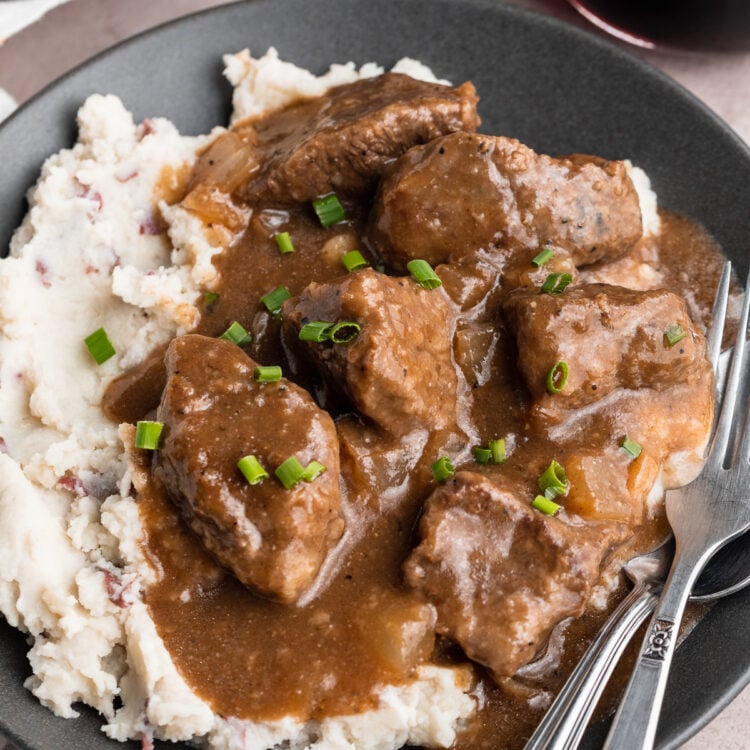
<point x="42" y="51"/>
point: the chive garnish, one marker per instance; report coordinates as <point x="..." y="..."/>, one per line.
<point x="555" y="283"/>
<point x="494" y="452"/>
<point x="290" y="472"/>
<point x="147" y="435"/>
<point x="557" y="377"/>
<point x="252" y="469"/>
<point x="344" y="332"/>
<point x="354" y="261"/>
<point x="630" y="447"/>
<point x="316" y="330"/>
<point x="329" y="210"/>
<point x="421" y="271"/>
<point x="275" y="299"/>
<point x="443" y="469"/>
<point x="673" y="334"/>
<point x="552" y="481"/>
<point x="497" y="449"/>
<point x="545" y="505"/>
<point x="237" y="334"/>
<point x="284" y="243"/>
<point x="481" y="455"/>
<point x="209" y="300"/>
<point x="312" y="471"/>
<point x="267" y="374"/>
<point x="99" y="346"/>
<point x="545" y="255"/>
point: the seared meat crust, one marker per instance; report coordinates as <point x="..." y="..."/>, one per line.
<point x="467" y="191"/>
<point x="500" y="574"/>
<point x="341" y="142"/>
<point x="214" y="413"/>
<point x="399" y="370"/>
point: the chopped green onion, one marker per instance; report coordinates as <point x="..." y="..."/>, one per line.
<point x="284" y="243"/>
<point x="481" y="455"/>
<point x="316" y="330"/>
<point x="252" y="470"/>
<point x="421" y="271"/>
<point x="555" y="283"/>
<point x="354" y="261"/>
<point x="269" y="374"/>
<point x="443" y="469"/>
<point x="630" y="447"/>
<point x="497" y="448"/>
<point x="210" y="299"/>
<point x="553" y="482"/>
<point x="545" y="255"/>
<point x="99" y="346"/>
<point x="344" y="332"/>
<point x="545" y="505"/>
<point x="494" y="452"/>
<point x="147" y="435"/>
<point x="329" y="210"/>
<point x="275" y="299"/>
<point x="290" y="472"/>
<point x="312" y="471"/>
<point x="674" y="333"/>
<point x="557" y="377"/>
<point x="237" y="335"/>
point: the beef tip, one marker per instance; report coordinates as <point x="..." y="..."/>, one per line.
<point x="466" y="191"/>
<point x="500" y="574"/>
<point x="609" y="337"/>
<point x="340" y="142"/>
<point x="214" y="413"/>
<point x="399" y="370"/>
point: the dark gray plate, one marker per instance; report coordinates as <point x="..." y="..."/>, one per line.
<point x="552" y="86"/>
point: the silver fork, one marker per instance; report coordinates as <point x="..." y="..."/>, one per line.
<point x="704" y="515"/>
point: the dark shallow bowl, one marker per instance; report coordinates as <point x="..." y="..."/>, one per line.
<point x="554" y="87"/>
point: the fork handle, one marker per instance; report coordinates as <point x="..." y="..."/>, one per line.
<point x="566" y="719"/>
<point x="634" y="725"/>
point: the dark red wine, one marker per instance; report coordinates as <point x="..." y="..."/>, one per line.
<point x="685" y="24"/>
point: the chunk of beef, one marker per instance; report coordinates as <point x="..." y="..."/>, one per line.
<point x="399" y="369"/>
<point x="214" y="413"/>
<point x="340" y="142"/>
<point x="500" y="574"/>
<point x="466" y="191"/>
<point x="609" y="337"/>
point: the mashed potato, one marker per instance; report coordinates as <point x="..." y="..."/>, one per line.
<point x="102" y="248"/>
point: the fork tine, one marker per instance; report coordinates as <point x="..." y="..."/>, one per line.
<point x="734" y="387"/>
<point x="743" y="452"/>
<point x="719" y="316"/>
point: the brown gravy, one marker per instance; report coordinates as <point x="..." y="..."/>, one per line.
<point x="258" y="660"/>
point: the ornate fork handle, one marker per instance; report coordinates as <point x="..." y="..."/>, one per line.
<point x="635" y="722"/>
<point x="565" y="722"/>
